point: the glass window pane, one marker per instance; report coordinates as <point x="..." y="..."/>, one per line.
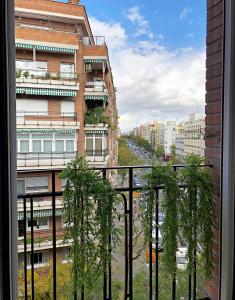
<point x="69" y="146"/>
<point x="37" y="146"/>
<point x="98" y="144"/>
<point x="59" y="146"/>
<point x="24" y="146"/>
<point x="47" y="146"/>
<point x="67" y="70"/>
<point x="89" y="144"/>
<point x="20" y="187"/>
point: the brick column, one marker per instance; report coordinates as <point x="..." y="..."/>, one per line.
<point x="214" y="41"/>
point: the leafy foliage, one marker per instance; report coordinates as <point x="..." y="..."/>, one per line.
<point x="96" y="116"/>
<point x="89" y="210"/>
<point x="197" y="212"/>
<point x="190" y="211"/>
<point x="163" y="175"/>
<point x="159" y="152"/>
<point x="141" y="142"/>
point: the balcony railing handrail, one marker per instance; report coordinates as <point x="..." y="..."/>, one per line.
<point x="128" y="218"/>
<point x="95" y="40"/>
<point x="45" y="114"/>
<point x="27" y="73"/>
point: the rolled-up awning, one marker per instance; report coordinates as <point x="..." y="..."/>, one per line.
<point x="96" y="97"/>
<point x="39" y="213"/>
<point x="97" y="61"/>
<point x="46" y="92"/>
<point x="45" y="48"/>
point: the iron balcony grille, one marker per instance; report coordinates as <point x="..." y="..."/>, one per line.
<point x="127" y="193"/>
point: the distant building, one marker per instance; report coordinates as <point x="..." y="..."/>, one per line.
<point x="179" y="144"/>
<point x="168" y="134"/>
<point x="194" y="132"/>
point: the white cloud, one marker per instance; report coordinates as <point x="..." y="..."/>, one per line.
<point x="133" y="14"/>
<point x="153" y="83"/>
<point x="184" y="15"/>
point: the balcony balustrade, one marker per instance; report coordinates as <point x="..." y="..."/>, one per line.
<point x="45" y="118"/>
<point x="44" y="159"/>
<point x="127" y="212"/>
<point x="42" y="77"/>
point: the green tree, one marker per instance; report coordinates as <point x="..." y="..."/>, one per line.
<point x="159" y="152"/>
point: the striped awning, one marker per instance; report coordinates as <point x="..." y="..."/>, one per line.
<point x="45" y="48"/>
<point x="97" y="61"/>
<point x="92" y="97"/>
<point x="32" y="130"/>
<point x="46" y="92"/>
<point x="42" y="213"/>
<point x="97" y="131"/>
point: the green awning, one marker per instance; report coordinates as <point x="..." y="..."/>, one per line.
<point x="32" y="130"/>
<point x="45" y="48"/>
<point x="97" y="61"/>
<point x="42" y="213"/>
<point x="92" y="97"/>
<point x="46" y="92"/>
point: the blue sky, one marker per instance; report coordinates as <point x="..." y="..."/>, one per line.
<point x="157" y="54"/>
<point x="181" y="23"/>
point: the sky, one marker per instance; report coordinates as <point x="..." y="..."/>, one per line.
<point x="157" y="55"/>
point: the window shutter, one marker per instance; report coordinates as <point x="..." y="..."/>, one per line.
<point x="67" y="108"/>
<point x="36" y="182"/>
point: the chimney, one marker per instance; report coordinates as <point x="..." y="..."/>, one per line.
<point x="76" y="2"/>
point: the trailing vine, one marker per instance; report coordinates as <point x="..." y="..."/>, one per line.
<point x="197" y="213"/>
<point x="163" y="175"/>
<point x="188" y="212"/>
<point x="89" y="212"/>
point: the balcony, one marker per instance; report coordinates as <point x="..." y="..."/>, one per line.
<point x="45" y="119"/>
<point x="36" y="82"/>
<point x="97" y="157"/>
<point x="128" y="221"/>
<point x="96" y="91"/>
<point x="44" y="159"/>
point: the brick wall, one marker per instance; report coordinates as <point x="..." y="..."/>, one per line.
<point x="213" y="118"/>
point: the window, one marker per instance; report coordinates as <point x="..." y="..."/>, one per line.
<point x="47" y="146"/>
<point x="59" y="146"/>
<point x="37" y="184"/>
<point x="37" y="68"/>
<point x="67" y="70"/>
<point x="67" y="108"/>
<point x="20" y="186"/>
<point x="32" y="107"/>
<point x="69" y="146"/>
<point x="24" y="147"/>
<point x="95" y="144"/>
<point x="37" y="146"/>
<point x="38" y="258"/>
<point x="42" y="223"/>
<point x="20" y="228"/>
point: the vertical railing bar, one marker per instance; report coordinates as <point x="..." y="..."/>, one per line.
<point x="25" y="252"/>
<point x="156" y="248"/>
<point x="174" y="276"/>
<point x="105" y="272"/>
<point x="32" y="246"/>
<point x="54" y="233"/>
<point x="130" y="232"/>
<point x="126" y="247"/>
<point x="195" y="250"/>
<point x="150" y="261"/>
<point x="190" y="287"/>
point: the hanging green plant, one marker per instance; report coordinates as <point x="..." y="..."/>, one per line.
<point x="197" y="213"/>
<point x="163" y="175"/>
<point x="89" y="212"/>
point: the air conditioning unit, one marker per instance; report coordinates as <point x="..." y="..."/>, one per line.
<point x="88" y="67"/>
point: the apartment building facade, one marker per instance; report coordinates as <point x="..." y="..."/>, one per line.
<point x="168" y="136"/>
<point x="66" y="107"/>
<point x="194" y="132"/>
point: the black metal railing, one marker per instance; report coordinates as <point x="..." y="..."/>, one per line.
<point x="127" y="192"/>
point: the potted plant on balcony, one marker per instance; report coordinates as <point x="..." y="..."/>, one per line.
<point x="188" y="207"/>
<point x="57" y="79"/>
<point x="45" y="79"/>
<point x="89" y="210"/>
<point x="19" y="77"/>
